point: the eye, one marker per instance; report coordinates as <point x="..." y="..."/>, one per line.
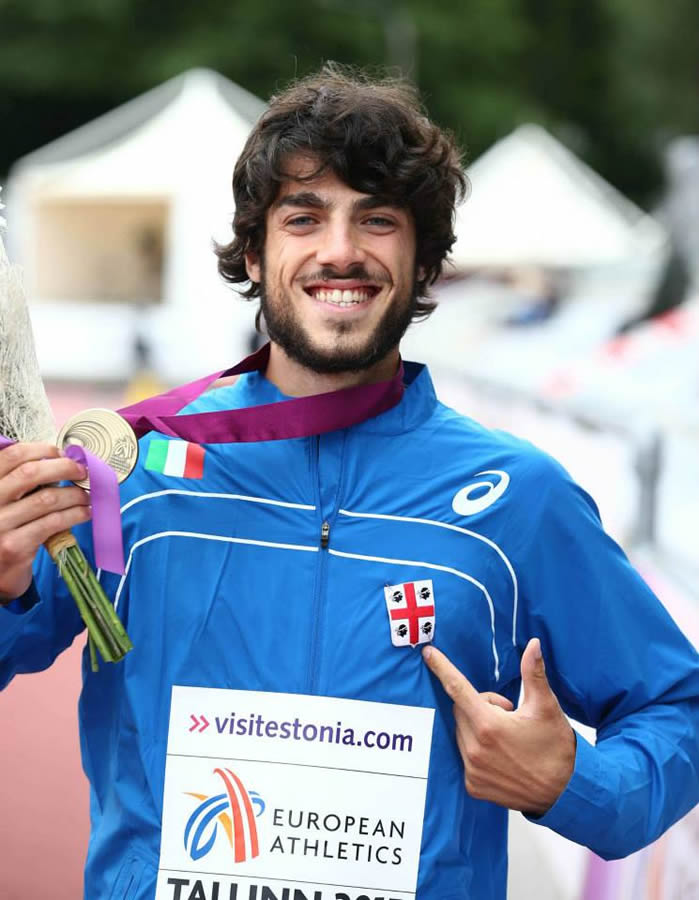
<point x="379" y="222"/>
<point x="301" y="221"/>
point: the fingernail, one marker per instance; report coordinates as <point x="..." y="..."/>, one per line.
<point x="427" y="654"/>
<point x="537" y="649"/>
<point x="82" y="470"/>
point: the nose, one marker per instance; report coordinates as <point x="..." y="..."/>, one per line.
<point x="339" y="246"/>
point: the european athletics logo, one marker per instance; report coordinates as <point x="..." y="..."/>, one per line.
<point x="233" y="810"/>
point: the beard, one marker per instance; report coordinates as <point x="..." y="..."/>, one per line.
<point x="285" y="329"/>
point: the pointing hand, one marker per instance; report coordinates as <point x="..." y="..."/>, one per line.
<point x="519" y="758"/>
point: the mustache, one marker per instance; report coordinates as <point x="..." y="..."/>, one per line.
<point x="356" y="272"/>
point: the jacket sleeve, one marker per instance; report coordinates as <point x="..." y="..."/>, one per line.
<point x="617" y="662"/>
<point x="37" y="627"/>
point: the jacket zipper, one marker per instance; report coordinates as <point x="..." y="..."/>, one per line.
<point x="325" y="535"/>
<point x="319" y="588"/>
<point x="321" y="577"/>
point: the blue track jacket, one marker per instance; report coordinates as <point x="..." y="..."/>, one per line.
<point x="230" y="585"/>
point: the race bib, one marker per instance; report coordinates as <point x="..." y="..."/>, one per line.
<point x="292" y="797"/>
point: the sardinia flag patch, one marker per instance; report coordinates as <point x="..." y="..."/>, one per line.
<point x="177" y="458"/>
<point x="410" y="612"/>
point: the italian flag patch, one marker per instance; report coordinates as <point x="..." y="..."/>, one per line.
<point x="178" y="458"/>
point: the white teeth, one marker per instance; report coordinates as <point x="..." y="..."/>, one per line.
<point x="342" y="298"/>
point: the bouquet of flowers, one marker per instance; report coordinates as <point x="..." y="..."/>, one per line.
<point x="25" y="415"/>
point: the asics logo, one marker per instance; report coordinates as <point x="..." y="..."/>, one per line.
<point x="465" y="504"/>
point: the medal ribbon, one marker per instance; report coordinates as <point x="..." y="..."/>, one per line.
<point x="297" y="417"/>
<point x="106" y="516"/>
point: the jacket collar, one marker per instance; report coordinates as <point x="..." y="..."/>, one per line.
<point x="253" y="389"/>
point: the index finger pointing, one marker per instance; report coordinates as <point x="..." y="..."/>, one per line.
<point x="454" y="682"/>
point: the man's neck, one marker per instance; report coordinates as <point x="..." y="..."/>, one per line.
<point x="295" y="380"/>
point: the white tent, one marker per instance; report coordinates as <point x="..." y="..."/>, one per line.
<point x="113" y="224"/>
<point x="533" y="202"/>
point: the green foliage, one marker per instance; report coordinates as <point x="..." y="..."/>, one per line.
<point x="613" y="78"/>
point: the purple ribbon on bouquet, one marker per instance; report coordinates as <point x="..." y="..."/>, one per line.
<point x="297" y="417"/>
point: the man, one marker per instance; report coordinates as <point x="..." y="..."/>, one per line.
<point x="308" y="573"/>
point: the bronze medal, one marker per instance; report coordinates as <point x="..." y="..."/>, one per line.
<point x="104" y="433"/>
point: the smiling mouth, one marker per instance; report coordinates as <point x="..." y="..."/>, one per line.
<point x="343" y="298"/>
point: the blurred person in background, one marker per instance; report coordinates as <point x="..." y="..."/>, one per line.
<point x="144" y="381"/>
<point x="496" y="560"/>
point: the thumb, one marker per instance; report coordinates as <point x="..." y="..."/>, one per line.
<point x="534" y="681"/>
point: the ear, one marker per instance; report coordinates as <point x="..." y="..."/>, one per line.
<point x="252" y="266"/>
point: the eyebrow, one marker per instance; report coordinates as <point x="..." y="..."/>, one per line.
<point x="311" y="200"/>
<point x="303" y="198"/>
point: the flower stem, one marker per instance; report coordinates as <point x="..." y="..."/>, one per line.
<point x="106" y="634"/>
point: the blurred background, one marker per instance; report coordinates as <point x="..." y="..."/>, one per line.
<point x="570" y="315"/>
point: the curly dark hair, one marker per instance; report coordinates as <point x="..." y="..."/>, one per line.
<point x="375" y="136"/>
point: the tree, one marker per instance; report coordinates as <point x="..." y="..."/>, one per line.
<point x="612" y="78"/>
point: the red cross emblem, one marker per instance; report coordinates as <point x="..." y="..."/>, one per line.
<point x="411" y="614"/>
